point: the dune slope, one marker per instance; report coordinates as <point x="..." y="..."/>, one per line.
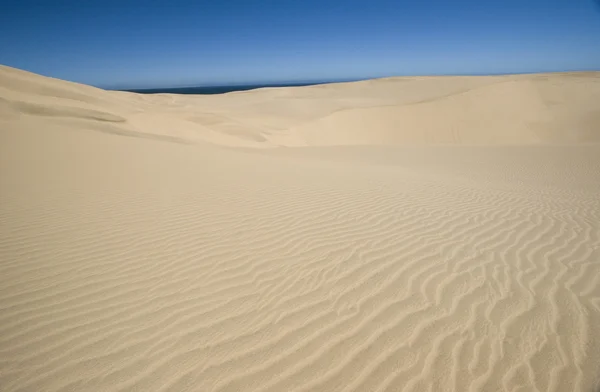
<point x="509" y="112"/>
<point x="433" y="234"/>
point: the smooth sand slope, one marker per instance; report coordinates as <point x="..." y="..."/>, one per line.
<point x="431" y="234"/>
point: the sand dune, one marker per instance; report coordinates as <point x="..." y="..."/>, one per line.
<point x="510" y="112"/>
<point x="432" y="234"/>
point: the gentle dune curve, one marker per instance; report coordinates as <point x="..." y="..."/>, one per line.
<point x="433" y="234"/>
<point x="509" y="112"/>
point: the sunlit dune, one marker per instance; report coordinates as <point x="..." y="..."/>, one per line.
<point x="398" y="234"/>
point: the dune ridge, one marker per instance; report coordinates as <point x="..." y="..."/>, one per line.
<point x="493" y="110"/>
<point x="432" y="234"/>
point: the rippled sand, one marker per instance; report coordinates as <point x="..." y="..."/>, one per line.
<point x="401" y="234"/>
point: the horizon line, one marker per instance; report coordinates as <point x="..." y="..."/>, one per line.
<point x="291" y="83"/>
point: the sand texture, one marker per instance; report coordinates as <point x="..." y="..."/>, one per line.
<point x="402" y="234"/>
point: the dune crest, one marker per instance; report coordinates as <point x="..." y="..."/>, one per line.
<point x="495" y="110"/>
<point x="510" y="112"/>
<point x="432" y="234"/>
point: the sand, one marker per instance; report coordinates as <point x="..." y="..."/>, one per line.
<point x="399" y="234"/>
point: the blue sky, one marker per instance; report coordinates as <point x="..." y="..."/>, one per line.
<point x="151" y="43"/>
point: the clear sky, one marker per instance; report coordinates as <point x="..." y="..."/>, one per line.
<point x="151" y="43"/>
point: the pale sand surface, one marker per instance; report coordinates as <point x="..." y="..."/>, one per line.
<point x="431" y="234"/>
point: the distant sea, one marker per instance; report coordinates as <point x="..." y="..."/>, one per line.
<point x="215" y="89"/>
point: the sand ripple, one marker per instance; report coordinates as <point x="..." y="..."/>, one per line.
<point x="137" y="264"/>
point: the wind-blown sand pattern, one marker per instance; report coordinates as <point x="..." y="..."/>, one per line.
<point x="432" y="234"/>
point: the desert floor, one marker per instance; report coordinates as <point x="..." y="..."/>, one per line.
<point x="401" y="234"/>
